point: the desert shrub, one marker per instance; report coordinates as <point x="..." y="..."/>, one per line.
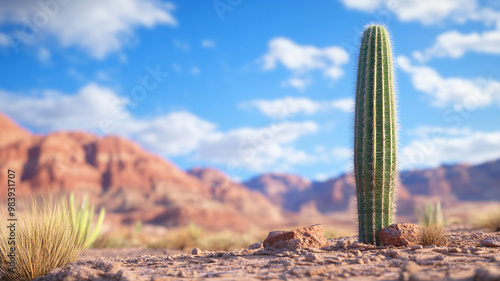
<point x="47" y="236"/>
<point x="431" y="215"/>
<point x="490" y="222"/>
<point x="183" y="238"/>
<point x="433" y="235"/>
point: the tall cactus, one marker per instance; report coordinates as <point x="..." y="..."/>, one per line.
<point x="375" y="137"/>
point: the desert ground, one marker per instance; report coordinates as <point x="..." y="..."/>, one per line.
<point x="470" y="255"/>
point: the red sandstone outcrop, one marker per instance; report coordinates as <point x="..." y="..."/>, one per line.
<point x="400" y="234"/>
<point x="306" y="237"/>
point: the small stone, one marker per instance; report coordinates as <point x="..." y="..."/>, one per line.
<point x="487" y="274"/>
<point x="410" y="267"/>
<point x="307" y="237"/>
<point x="416" y="247"/>
<point x="399" y="234"/>
<point x="490" y="242"/>
<point x="255" y="246"/>
<point x="393" y="253"/>
<point x="312" y="257"/>
<point x="454" y="250"/>
<point x="196" y="251"/>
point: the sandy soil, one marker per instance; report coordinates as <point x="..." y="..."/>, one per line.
<point x="470" y="255"/>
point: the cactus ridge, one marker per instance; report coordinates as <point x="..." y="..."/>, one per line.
<point x="375" y="134"/>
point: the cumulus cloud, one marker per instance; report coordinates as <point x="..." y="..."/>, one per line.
<point x="449" y="146"/>
<point x="207" y="43"/>
<point x="302" y="59"/>
<point x="425" y="11"/>
<point x="111" y="26"/>
<point x="471" y="93"/>
<point x="455" y="44"/>
<point x="342" y="153"/>
<point x="259" y="148"/>
<point x="182" y="45"/>
<point x="291" y="105"/>
<point x="100" y="110"/>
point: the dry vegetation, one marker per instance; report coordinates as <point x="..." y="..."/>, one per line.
<point x="48" y="235"/>
<point x="491" y="221"/>
<point x="433" y="235"/>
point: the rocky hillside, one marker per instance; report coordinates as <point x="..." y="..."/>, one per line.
<point x="451" y="183"/>
<point x="136" y="185"/>
<point x="131" y="183"/>
<point x="294" y="193"/>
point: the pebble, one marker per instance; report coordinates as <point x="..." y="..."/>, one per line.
<point x="454" y="250"/>
<point x="196" y="251"/>
<point x="487" y="274"/>
<point x="312" y="257"/>
<point x="255" y="246"/>
<point x="410" y="267"/>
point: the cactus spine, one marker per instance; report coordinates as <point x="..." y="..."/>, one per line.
<point x="375" y="137"/>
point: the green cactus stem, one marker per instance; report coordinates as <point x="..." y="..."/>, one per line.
<point x="375" y="139"/>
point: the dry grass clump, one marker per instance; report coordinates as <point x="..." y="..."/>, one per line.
<point x="491" y="222"/>
<point x="46" y="236"/>
<point x="183" y="238"/>
<point x="432" y="222"/>
<point x="433" y="235"/>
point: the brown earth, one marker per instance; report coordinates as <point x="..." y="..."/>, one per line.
<point x="467" y="257"/>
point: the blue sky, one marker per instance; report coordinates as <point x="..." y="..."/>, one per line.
<point x="253" y="86"/>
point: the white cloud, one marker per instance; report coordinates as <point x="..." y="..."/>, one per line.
<point x="290" y="106"/>
<point x="425" y="11"/>
<point x="424" y="132"/>
<point x="43" y="55"/>
<point x="303" y="59"/>
<point x="449" y="146"/>
<point x="207" y="43"/>
<point x="97" y="108"/>
<point x="181" y="45"/>
<point x="4" y="39"/>
<point x="51" y="110"/>
<point x="455" y="91"/>
<point x="258" y="148"/>
<point x="342" y="153"/>
<point x="454" y="44"/>
<point x="321" y="177"/>
<point x="99" y="27"/>
<point x="297" y="83"/>
<point x="346" y="105"/>
<point x="176" y="133"/>
<point x="195" y="70"/>
<point x="100" y="110"/>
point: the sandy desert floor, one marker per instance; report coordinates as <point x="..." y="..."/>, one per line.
<point x="471" y="255"/>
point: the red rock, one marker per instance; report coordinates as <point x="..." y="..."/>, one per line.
<point x="399" y="234"/>
<point x="307" y="237"/>
<point x="132" y="184"/>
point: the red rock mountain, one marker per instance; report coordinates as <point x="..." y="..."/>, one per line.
<point x="333" y="195"/>
<point x="131" y="183"/>
<point x="135" y="185"/>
